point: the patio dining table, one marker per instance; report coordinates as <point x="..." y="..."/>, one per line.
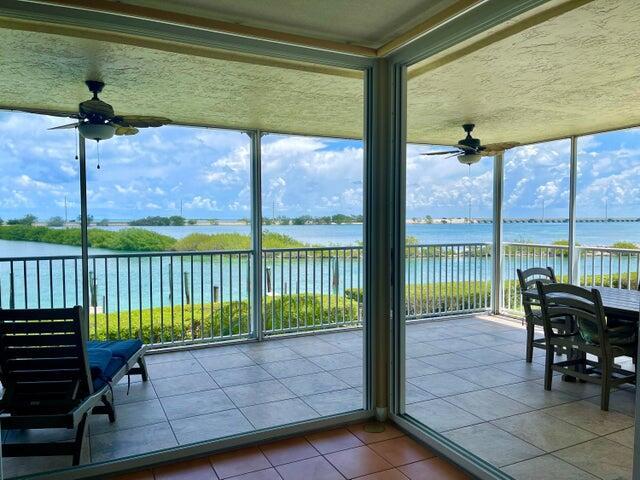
<point x="617" y="302"/>
<point x="620" y="302"/>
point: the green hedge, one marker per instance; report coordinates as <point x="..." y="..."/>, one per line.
<point x="223" y="320"/>
<point x="129" y="239"/>
<point x="440" y="297"/>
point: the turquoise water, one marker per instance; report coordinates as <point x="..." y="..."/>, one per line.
<point x="130" y="284"/>
<point x="600" y="234"/>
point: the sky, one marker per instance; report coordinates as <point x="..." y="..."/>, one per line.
<point x="205" y="173"/>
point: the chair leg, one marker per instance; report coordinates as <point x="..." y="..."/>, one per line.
<point x="530" y="341"/>
<point x="548" y="371"/>
<point x="105" y="409"/>
<point x="606" y="383"/>
<point x="143" y="369"/>
<point x="81" y="433"/>
<point x="108" y="405"/>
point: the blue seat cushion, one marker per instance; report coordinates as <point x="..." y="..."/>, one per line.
<point x="112" y="367"/>
<point x="124" y="349"/>
<point x="99" y="359"/>
<point x="120" y="351"/>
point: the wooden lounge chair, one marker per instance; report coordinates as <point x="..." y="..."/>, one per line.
<point x="593" y="336"/>
<point x="54" y="378"/>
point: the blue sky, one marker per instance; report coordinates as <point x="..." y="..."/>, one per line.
<point x="536" y="177"/>
<point x="208" y="172"/>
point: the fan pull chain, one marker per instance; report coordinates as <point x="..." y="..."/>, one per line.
<point x="77" y="140"/>
<point x="98" y="152"/>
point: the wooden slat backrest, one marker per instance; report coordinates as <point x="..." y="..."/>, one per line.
<point x="43" y="359"/>
<point x="585" y="306"/>
<point x="528" y="278"/>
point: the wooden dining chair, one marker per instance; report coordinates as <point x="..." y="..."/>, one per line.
<point x="531" y="305"/>
<point x="592" y="336"/>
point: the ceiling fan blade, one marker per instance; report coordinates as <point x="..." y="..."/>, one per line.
<point x="39" y="111"/>
<point x="125" y="130"/>
<point x="454" y="155"/>
<point x="467" y="149"/>
<point x="140" y="121"/>
<point x="60" y="127"/>
<point x="495" y="148"/>
<point x="440" y="153"/>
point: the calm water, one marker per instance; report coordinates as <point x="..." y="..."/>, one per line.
<point x="600" y="234"/>
<point x="152" y="282"/>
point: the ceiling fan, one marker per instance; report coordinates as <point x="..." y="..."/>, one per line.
<point x="98" y="121"/>
<point x="470" y="150"/>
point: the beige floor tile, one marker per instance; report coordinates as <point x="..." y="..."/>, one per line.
<point x="623" y="437"/>
<point x="539" y="467"/>
<point x="544" y="431"/>
<point x="488" y="404"/>
<point x="601" y="457"/>
<point x="533" y="394"/>
<point x="493" y="444"/>
<point x="588" y="416"/>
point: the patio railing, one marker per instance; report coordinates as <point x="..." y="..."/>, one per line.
<point x="173" y="298"/>
<point x="445" y="279"/>
<point x="609" y="267"/>
<point x="528" y="255"/>
<point x="595" y="266"/>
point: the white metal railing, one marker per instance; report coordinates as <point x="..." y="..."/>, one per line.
<point x="592" y="266"/>
<point x="608" y="267"/>
<point x="445" y="279"/>
<point x="528" y="255"/>
<point x="172" y="298"/>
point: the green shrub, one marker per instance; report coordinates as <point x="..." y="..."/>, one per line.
<point x="219" y="320"/>
<point x="199" y="242"/>
<point x="130" y="239"/>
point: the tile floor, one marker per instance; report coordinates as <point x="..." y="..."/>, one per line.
<point x="467" y="379"/>
<point x="343" y="453"/>
<point x="208" y="393"/>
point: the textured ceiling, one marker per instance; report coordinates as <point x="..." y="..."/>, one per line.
<point x="45" y="71"/>
<point x="363" y="22"/>
<point x="575" y="73"/>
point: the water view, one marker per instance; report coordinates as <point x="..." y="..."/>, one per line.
<point x="592" y="234"/>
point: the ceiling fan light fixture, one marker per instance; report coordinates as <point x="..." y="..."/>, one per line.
<point x="96" y="131"/>
<point x="469" y="158"/>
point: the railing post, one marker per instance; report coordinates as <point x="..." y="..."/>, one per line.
<point x="256" y="233"/>
<point x="574" y="271"/>
<point x="497" y="251"/>
<point x="574" y="253"/>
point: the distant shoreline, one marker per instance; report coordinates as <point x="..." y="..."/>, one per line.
<point x="410" y="221"/>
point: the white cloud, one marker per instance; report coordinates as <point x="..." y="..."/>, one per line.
<point x="201" y="203"/>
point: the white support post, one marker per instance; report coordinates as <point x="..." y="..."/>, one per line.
<point x="256" y="234"/>
<point x="497" y="251"/>
<point x="84" y="232"/>
<point x="574" y="251"/>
